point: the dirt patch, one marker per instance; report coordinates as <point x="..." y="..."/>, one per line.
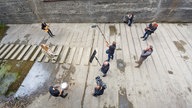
<point x="179" y="46"/>
<point x="189" y="89"/>
<point x="121" y="65"/>
<point x="185" y="57"/>
<point x="123" y="101"/>
<point x="170" y="72"/>
<point x="113" y="30"/>
<point x="182" y="42"/>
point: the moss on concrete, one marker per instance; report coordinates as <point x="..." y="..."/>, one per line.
<point x="3" y="29"/>
<point x="12" y="74"/>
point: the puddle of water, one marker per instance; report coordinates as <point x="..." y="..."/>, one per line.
<point x="13" y="74"/>
<point x="170" y="72"/>
<point x="123" y="101"/>
<point x="121" y="65"/>
<point x="179" y="46"/>
<point x="113" y="30"/>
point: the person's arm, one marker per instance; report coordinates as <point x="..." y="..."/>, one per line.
<point x="146" y="53"/>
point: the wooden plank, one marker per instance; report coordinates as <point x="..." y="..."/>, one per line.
<point x="18" y="51"/>
<point x="11" y="52"/>
<point x="1" y="45"/>
<point x="3" y="48"/>
<point x="79" y="56"/>
<point x="86" y="55"/>
<point x="40" y="57"/>
<point x="70" y="56"/>
<point x="57" y="52"/>
<point x="46" y="57"/>
<point x="64" y="54"/>
<point x="23" y="52"/>
<point x="36" y="53"/>
<point x="30" y="52"/>
<point x="6" y="51"/>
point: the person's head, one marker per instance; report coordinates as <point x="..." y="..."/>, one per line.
<point x="98" y="87"/>
<point x="106" y="63"/>
<point x="155" y="24"/>
<point x="150" y="47"/>
<point x="45" y="47"/>
<point x="114" y="43"/>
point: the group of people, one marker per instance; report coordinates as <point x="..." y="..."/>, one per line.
<point x="101" y="86"/>
<point x="128" y="19"/>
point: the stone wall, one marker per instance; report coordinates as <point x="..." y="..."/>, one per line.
<point x="58" y="11"/>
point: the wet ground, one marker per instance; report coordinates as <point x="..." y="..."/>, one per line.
<point x="162" y="81"/>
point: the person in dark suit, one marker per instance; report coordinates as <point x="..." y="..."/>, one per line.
<point x="105" y="68"/>
<point x="45" y="27"/>
<point x="111" y="51"/>
<point x="149" y="30"/>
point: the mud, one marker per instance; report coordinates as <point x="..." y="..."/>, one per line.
<point x="121" y="65"/>
<point x="123" y="101"/>
<point x="105" y="106"/>
<point x="170" y="72"/>
<point x="113" y="30"/>
<point x="179" y="46"/>
<point x="182" y="42"/>
<point x="185" y="57"/>
<point x="189" y="89"/>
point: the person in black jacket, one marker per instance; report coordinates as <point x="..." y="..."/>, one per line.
<point x="57" y="91"/>
<point x="99" y="90"/>
<point x="145" y="53"/>
<point x="45" y="27"/>
<point x="128" y="19"/>
<point x="111" y="51"/>
<point x="101" y="86"/>
<point x="105" y="68"/>
<point x="150" y="29"/>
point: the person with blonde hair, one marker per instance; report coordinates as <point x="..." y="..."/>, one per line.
<point x="149" y="29"/>
<point x="46" y="49"/>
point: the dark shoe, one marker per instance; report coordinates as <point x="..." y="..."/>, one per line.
<point x="94" y="95"/>
<point x="65" y="95"/>
<point x="104" y="75"/>
<point x="142" y="37"/>
<point x="136" y="66"/>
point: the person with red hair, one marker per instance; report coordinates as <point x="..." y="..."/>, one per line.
<point x="149" y="29"/>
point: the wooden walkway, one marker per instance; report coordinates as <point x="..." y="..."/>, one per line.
<point x="164" y="80"/>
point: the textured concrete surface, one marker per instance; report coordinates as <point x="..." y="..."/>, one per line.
<point x="163" y="81"/>
<point x="57" y="11"/>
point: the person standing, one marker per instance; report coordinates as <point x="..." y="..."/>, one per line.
<point x="149" y="29"/>
<point x="111" y="50"/>
<point x="105" y="68"/>
<point x="130" y="19"/>
<point x="145" y="53"/>
<point x="45" y="27"/>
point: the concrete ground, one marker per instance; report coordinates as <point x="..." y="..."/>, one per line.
<point x="163" y="81"/>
